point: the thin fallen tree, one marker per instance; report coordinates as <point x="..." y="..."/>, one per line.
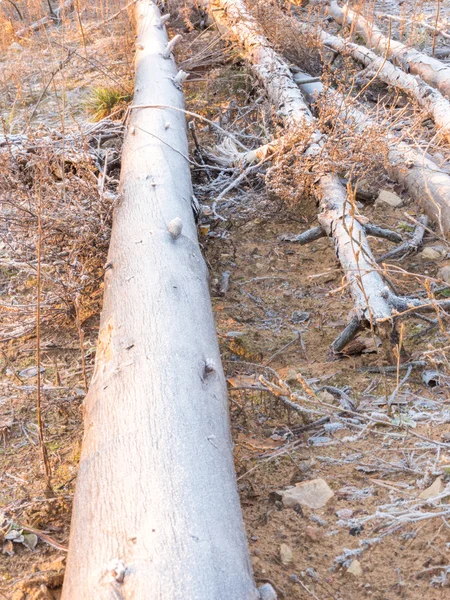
<point x="56" y="16"/>
<point x="156" y="511"/>
<point x="336" y="216"/>
<point x="431" y="70"/>
<point x="420" y="176"/>
<point x="428" y="98"/>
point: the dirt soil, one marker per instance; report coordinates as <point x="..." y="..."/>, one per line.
<point x="276" y="317"/>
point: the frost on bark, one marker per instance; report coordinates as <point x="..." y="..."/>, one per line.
<point x="156" y="511"/>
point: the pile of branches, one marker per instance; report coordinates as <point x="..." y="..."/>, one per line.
<point x="57" y="196"/>
<point x="329" y="141"/>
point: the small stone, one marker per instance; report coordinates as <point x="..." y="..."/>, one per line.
<point x="30" y="372"/>
<point x="344" y="513"/>
<point x="313" y="533"/>
<point x="430" y="253"/>
<point x="291" y="376"/>
<point x="389" y="198"/>
<point x="325" y="396"/>
<point x="266" y="592"/>
<point x="355" y="568"/>
<point x="299" y="317"/>
<point x="286" y="556"/>
<point x="444" y="274"/>
<point x="433" y="490"/>
<point x="314" y="494"/>
<point x="15" y="47"/>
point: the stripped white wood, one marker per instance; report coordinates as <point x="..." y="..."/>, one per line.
<point x="156" y="511"/>
<point x="428" y="98"/>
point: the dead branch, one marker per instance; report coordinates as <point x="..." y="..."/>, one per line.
<point x="404" y="304"/>
<point x="68" y="4"/>
<point x="409" y="246"/>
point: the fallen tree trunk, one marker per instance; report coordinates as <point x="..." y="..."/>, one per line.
<point x="351" y="244"/>
<point x="421" y="177"/>
<point x="428" y="98"/>
<point x="156" y="512"/>
<point x="431" y="70"/>
<point x="68" y="4"/>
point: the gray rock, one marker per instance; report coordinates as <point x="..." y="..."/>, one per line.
<point x="444" y="274"/>
<point x="299" y="317"/>
<point x="30" y="372"/>
<point x="314" y="494"/>
<point x="286" y="556"/>
<point x="266" y="592"/>
<point x="390" y="198"/>
<point x="291" y="376"/>
<point x="431" y="253"/>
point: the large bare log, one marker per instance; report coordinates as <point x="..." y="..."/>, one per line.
<point x="351" y="245"/>
<point x="431" y="70"/>
<point x="156" y="511"/>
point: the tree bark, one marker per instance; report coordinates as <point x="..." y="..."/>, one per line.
<point x="433" y="71"/>
<point x="336" y="217"/>
<point x="156" y="511"/>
